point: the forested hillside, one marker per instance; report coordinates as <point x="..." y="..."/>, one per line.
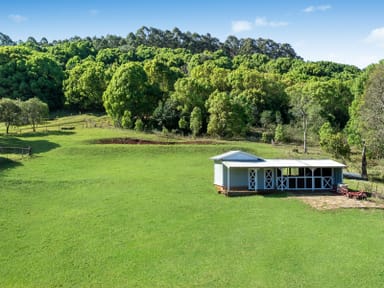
<point x="195" y="84"/>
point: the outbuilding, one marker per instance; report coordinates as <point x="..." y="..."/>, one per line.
<point x="238" y="172"/>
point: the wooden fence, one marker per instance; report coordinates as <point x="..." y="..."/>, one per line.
<point x="16" y="150"/>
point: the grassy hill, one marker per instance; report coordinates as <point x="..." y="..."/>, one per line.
<point x="81" y="214"/>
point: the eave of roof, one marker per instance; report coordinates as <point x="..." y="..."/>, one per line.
<point x="285" y="163"/>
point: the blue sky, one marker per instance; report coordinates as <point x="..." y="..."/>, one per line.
<point x="350" y="32"/>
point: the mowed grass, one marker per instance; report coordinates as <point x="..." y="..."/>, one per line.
<point x="79" y="214"/>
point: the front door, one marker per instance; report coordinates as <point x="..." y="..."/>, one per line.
<point x="268" y="179"/>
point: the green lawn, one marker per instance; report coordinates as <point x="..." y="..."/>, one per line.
<point x="79" y="214"/>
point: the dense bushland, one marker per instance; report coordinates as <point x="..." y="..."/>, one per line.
<point x="191" y="83"/>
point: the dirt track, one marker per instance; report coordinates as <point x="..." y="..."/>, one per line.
<point x="328" y="202"/>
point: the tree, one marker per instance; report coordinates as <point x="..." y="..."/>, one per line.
<point x="338" y="145"/>
<point x="128" y="95"/>
<point x="280" y="65"/>
<point x="354" y="126"/>
<point x="166" y="115"/>
<point x="325" y="133"/>
<point x="231" y="46"/>
<point x="161" y="76"/>
<point x="190" y="93"/>
<point x="45" y="80"/>
<point x="5" y="40"/>
<point x="10" y="112"/>
<point x="108" y="56"/>
<point x="372" y="112"/>
<point x="227" y="118"/>
<point x="364" y="173"/>
<point x="267" y="119"/>
<point x="333" y="142"/>
<point x="333" y="98"/>
<point x="196" y="121"/>
<point x="219" y="79"/>
<point x="304" y="107"/>
<point x="183" y="124"/>
<point x="85" y="85"/>
<point x="279" y="133"/>
<point x="25" y="74"/>
<point x="35" y="111"/>
<point x="258" y="92"/>
<point x="66" y="50"/>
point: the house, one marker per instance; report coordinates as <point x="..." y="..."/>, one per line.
<point x="238" y="172"/>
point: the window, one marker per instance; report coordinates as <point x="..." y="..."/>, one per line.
<point x="309" y="182"/>
<point x="327" y="171"/>
<point x="300" y="183"/>
<point x="288" y="172"/>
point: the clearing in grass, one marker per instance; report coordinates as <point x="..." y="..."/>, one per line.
<point x="82" y="214"/>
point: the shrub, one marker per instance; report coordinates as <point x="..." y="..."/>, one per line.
<point x="266" y="137"/>
<point x="332" y="142"/>
<point x="196" y="121"/>
<point x="279" y="133"/>
<point x="139" y="125"/>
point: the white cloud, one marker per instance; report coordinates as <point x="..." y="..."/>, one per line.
<point x="17" y="18"/>
<point x="241" y="26"/>
<point x="263" y="22"/>
<point x="376" y="36"/>
<point x="311" y="9"/>
<point x="94" y="12"/>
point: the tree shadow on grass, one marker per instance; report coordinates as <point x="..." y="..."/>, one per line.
<point x="37" y="146"/>
<point x="6" y="163"/>
<point x="46" y="133"/>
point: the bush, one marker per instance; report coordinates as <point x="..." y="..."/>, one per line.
<point x="279" y="133"/>
<point x="139" y="125"/>
<point x="332" y="142"/>
<point x="196" y="121"/>
<point x="266" y="137"/>
<point x="338" y="146"/>
<point x="126" y="121"/>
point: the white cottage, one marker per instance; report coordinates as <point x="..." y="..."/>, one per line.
<point x="238" y="172"/>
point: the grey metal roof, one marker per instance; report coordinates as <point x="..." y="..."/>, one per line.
<point x="285" y="163"/>
<point x="237" y="155"/>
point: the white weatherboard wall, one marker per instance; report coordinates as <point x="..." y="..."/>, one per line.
<point x="218" y="172"/>
<point x="239" y="177"/>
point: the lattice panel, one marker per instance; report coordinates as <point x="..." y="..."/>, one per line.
<point x="268" y="179"/>
<point x="252" y="179"/>
<point x="327" y="182"/>
<point x="282" y="183"/>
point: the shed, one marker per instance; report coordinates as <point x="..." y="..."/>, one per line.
<point x="238" y="172"/>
